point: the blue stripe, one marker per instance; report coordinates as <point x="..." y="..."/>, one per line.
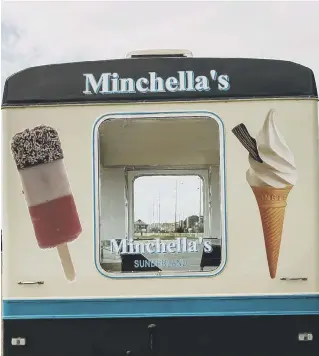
<point x="161" y="307"/>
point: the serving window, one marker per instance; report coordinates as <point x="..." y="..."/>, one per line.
<point x="160" y="195"/>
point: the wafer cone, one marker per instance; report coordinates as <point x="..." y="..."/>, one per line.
<point x="272" y="204"/>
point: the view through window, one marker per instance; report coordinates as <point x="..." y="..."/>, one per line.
<point x="160" y="205"/>
<point x="172" y="207"/>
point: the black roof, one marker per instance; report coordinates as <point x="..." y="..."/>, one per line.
<point x="248" y="78"/>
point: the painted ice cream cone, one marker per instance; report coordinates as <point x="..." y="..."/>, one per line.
<point x="272" y="204"/>
<point x="271" y="176"/>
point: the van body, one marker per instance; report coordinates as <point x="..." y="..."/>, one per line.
<point x="145" y="140"/>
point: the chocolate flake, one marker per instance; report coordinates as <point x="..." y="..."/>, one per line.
<point x="36" y="146"/>
<point x="241" y="132"/>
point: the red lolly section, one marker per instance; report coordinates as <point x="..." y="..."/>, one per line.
<point x="55" y="222"/>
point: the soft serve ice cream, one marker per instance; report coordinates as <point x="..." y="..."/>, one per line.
<point x="278" y="168"/>
<point x="271" y="175"/>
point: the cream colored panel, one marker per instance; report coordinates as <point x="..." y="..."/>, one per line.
<point x="246" y="270"/>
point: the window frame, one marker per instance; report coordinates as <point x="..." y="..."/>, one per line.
<point x="183" y="115"/>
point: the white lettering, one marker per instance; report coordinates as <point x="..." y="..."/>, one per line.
<point x="213" y="74"/>
<point x="192" y="246"/>
<point x="208" y="247"/>
<point x="139" y="247"/>
<point x="131" y="246"/>
<point x="90" y="81"/>
<point x="184" y="244"/>
<point x="139" y="86"/>
<point x="127" y="85"/>
<point x="160" y="246"/>
<point x="182" y="81"/>
<point x="202" y="83"/>
<point x="150" y="247"/>
<point x="171" y="84"/>
<point x="171" y="247"/>
<point x="115" y="83"/>
<point x="223" y="82"/>
<point x="111" y="83"/>
<point x="190" y="81"/>
<point x="157" y="83"/>
<point x="179" y="245"/>
<point x="122" y="247"/>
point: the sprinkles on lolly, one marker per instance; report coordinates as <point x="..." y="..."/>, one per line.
<point x="36" y="146"/>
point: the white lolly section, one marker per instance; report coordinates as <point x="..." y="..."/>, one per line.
<point x="278" y="168"/>
<point x="45" y="182"/>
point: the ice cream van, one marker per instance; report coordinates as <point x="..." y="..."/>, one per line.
<point x="161" y="204"/>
